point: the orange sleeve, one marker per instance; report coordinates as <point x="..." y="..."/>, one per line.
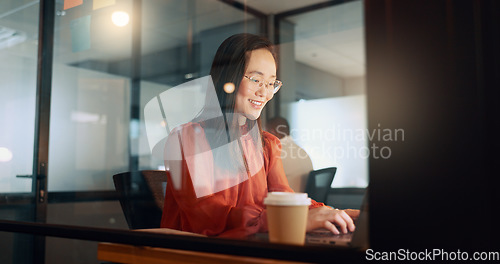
<point x="276" y="178"/>
<point x="236" y="211"/>
<point x="221" y="213"/>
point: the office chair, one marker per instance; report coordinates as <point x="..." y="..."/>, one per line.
<point x="141" y="197"/>
<point x="319" y="182"/>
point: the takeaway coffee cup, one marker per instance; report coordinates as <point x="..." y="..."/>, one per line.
<point x="287" y="216"/>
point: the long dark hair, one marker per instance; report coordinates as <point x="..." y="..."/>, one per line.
<point x="229" y="66"/>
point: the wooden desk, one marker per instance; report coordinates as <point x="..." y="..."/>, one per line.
<point x="130" y="254"/>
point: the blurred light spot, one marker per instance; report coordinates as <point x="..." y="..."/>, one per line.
<point x="134" y="128"/>
<point x="84" y="117"/>
<point x="229" y="87"/>
<point x="163" y="123"/>
<point x="120" y="18"/>
<point x="5" y="155"/>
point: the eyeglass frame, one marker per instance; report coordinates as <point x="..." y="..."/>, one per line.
<point x="259" y="84"/>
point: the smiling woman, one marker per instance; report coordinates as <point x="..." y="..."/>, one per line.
<point x="254" y="92"/>
<point x="221" y="169"/>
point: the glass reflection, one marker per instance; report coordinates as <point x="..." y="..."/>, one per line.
<point x="97" y="128"/>
<point x="221" y="164"/>
<point x="18" y="79"/>
<point x="323" y="66"/>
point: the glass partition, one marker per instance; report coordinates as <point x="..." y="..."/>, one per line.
<point x="114" y="59"/>
<point x="18" y="51"/>
<point x="324" y="99"/>
<point x="94" y="133"/>
<point x="18" y="79"/>
<point x="105" y="72"/>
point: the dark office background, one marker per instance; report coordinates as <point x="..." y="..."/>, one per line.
<point x="433" y="69"/>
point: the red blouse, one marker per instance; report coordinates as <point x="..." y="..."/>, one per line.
<point x="202" y="198"/>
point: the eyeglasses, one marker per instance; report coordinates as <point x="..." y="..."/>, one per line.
<point x="258" y="82"/>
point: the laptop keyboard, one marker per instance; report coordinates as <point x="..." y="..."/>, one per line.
<point x="327" y="233"/>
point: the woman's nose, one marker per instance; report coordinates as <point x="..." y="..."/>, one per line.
<point x="262" y="91"/>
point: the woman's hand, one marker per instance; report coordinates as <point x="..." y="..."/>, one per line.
<point x="328" y="218"/>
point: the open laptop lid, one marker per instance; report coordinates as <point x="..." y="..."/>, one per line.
<point x="360" y="238"/>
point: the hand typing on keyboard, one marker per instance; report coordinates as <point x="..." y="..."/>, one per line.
<point x="333" y="220"/>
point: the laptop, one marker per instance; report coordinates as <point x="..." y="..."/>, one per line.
<point x="357" y="239"/>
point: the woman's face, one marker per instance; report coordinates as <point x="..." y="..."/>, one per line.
<point x="251" y="98"/>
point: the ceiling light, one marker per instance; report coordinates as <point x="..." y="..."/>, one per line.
<point x="5" y="155"/>
<point x="120" y="18"/>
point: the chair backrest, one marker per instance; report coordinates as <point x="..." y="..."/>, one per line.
<point x="319" y="182"/>
<point x="141" y="197"/>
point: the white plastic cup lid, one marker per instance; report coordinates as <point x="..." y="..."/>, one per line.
<point x="287" y="198"/>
